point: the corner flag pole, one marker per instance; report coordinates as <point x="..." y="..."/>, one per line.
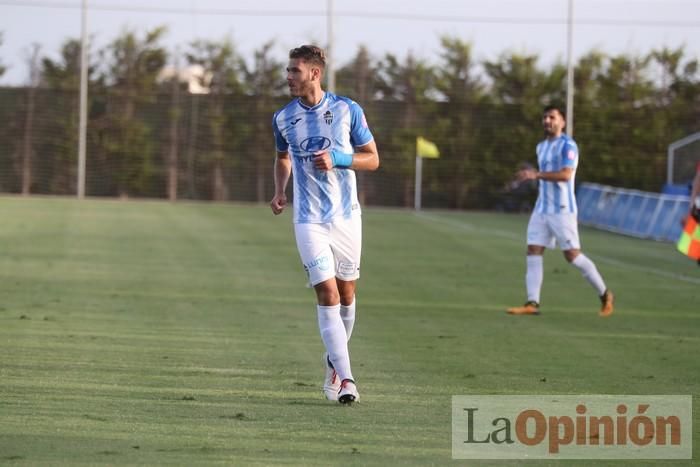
<point x="419" y="181"/>
<point x="424" y="148"/>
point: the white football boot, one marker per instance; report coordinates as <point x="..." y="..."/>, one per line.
<point x="348" y="392"/>
<point x="331" y="383"/>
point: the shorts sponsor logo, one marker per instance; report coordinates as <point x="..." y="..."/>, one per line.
<point x="572" y="427"/>
<point x="322" y="263"/>
<point x="347" y="269"/>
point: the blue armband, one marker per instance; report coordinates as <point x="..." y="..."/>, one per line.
<point x="341" y="159"/>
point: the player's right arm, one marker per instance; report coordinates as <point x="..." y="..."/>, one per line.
<point x="568" y="162"/>
<point x="563" y="175"/>
<point x="282" y="172"/>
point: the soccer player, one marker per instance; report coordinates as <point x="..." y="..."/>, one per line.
<point x="323" y="139"/>
<point x="554" y="216"/>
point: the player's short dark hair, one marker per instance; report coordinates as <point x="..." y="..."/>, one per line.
<point x="311" y="54"/>
<point x="557" y="107"/>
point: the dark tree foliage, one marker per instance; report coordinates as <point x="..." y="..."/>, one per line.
<point x="146" y="133"/>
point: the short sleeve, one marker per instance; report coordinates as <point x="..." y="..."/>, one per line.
<point x="569" y="154"/>
<point x="360" y="133"/>
<point x="281" y="144"/>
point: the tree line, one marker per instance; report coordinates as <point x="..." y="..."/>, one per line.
<point x="150" y="136"/>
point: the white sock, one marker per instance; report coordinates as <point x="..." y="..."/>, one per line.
<point x="533" y="277"/>
<point x="590" y="272"/>
<point x="334" y="338"/>
<point x="347" y="313"/>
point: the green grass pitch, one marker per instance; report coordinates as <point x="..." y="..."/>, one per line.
<point x="182" y="334"/>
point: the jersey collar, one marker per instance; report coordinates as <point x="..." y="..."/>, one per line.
<point x="561" y="135"/>
<point x="306" y="107"/>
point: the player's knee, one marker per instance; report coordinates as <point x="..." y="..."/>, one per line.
<point x="327" y="293"/>
<point x="347" y="292"/>
<point x="328" y="298"/>
<point x="347" y="298"/>
<point x="571" y="255"/>
<point x="535" y="250"/>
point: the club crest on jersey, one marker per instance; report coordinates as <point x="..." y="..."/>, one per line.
<point x="328" y="117"/>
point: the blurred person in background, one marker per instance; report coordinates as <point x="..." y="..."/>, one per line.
<point x="554" y="219"/>
<point x="520" y="193"/>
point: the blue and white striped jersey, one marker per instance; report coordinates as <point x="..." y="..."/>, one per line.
<point x="552" y="156"/>
<point x="335" y="123"/>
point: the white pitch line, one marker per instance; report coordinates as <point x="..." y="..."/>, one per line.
<point x="470" y="227"/>
<point x="589" y="335"/>
<point x="658" y="272"/>
<point x="510" y="235"/>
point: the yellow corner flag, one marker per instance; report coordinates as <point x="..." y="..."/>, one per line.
<point x="427" y="149"/>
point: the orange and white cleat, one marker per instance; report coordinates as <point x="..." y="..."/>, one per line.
<point x="331" y="382"/>
<point x="348" y="392"/>
<point x="607" y="301"/>
<point x="530" y="308"/>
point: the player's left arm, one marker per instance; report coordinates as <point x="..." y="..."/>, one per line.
<point x="365" y="157"/>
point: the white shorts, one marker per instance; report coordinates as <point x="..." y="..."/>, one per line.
<point x="545" y="229"/>
<point x="330" y="250"/>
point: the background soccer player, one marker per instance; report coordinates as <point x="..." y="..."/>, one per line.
<point x="323" y="138"/>
<point x="554" y="216"/>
